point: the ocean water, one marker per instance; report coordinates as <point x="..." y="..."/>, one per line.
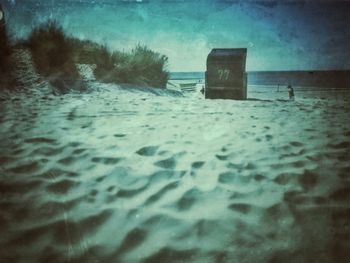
<point x="317" y="79"/>
<point x="186" y="75"/>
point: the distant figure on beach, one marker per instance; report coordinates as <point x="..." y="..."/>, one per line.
<point x="202" y="89"/>
<point x="290" y="92"/>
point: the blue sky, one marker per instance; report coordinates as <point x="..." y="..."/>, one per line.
<point x="279" y="35"/>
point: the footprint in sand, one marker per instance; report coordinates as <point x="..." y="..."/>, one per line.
<point x="188" y="200"/>
<point x="197" y="165"/>
<point x="309" y="130"/>
<point x="119" y="135"/>
<point x="227" y="177"/>
<point x="259" y="177"/>
<point x="110" y="188"/>
<point x="169" y="163"/>
<point x="40" y="140"/>
<point x="241" y="208"/>
<point x="106" y="160"/>
<point x="296" y="144"/>
<point x="268" y="137"/>
<point x="74" y="144"/>
<point x="132" y="240"/>
<point x="147" y="151"/>
<point x="222" y="157"/>
<point x="129" y="193"/>
<point x="157" y="196"/>
<point x="166" y="175"/>
<point x="26" y="168"/>
<point x="55" y="173"/>
<point x="48" y="151"/>
<point x="93" y="192"/>
<point x="87" y="125"/>
<point x="78" y="151"/>
<point x="100" y="179"/>
<point x="68" y="160"/>
<point x="224" y="149"/>
<point x="62" y="187"/>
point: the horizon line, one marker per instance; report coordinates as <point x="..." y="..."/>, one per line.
<point x="292" y="70"/>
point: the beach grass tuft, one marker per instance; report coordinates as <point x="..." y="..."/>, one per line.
<point x="56" y="55"/>
<point x="53" y="55"/>
<point x="142" y="66"/>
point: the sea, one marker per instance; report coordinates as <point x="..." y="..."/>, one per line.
<point x="335" y="79"/>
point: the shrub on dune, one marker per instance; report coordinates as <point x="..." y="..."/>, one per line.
<point x="147" y="67"/>
<point x="53" y="55"/>
<point x="105" y="64"/>
<point x="141" y="66"/>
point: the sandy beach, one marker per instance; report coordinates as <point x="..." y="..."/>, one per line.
<point x="117" y="175"/>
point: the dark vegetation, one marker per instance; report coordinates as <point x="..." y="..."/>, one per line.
<point x="56" y="54"/>
<point x="5" y="48"/>
<point x="53" y="56"/>
<point x="141" y="66"/>
<point x="5" y="54"/>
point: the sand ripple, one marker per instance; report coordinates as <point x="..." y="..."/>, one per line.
<point x="114" y="176"/>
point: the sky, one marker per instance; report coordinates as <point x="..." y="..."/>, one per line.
<point x="279" y="35"/>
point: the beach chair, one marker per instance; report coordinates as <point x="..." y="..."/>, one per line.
<point x="226" y="77"/>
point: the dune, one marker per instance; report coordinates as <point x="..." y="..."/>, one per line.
<point x="130" y="175"/>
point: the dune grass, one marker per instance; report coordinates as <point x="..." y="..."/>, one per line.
<point x="142" y="66"/>
<point x="53" y="56"/>
<point x="56" y="54"/>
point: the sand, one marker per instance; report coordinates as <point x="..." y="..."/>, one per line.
<point x="130" y="176"/>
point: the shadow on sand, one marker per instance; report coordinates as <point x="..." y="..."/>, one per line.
<point x="254" y="99"/>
